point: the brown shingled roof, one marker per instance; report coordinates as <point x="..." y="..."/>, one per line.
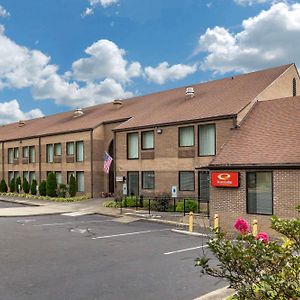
<point x="212" y="99"/>
<point x="269" y="136"/>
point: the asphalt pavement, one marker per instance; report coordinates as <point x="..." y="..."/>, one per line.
<point x="96" y="257"/>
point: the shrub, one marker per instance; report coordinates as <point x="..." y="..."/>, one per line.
<point x="26" y="186"/>
<point x="255" y="267"/>
<point x="130" y="201"/>
<point x="62" y="190"/>
<point x="12" y="185"/>
<point x="72" y="186"/>
<point x="43" y="188"/>
<point x="33" y="187"/>
<point x="51" y="185"/>
<point x="190" y="205"/>
<point x="18" y="184"/>
<point x="3" y="186"/>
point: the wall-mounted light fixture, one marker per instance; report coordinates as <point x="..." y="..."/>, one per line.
<point x="159" y="130"/>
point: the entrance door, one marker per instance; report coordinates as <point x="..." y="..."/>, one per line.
<point x="111" y="174"/>
<point x="204" y="186"/>
<point x="133" y="183"/>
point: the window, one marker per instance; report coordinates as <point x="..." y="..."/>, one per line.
<point x="294" y="87"/>
<point x="16" y="153"/>
<point x="69" y="174"/>
<point x="58" y="177"/>
<point x="186" y="136"/>
<point x="204" y="184"/>
<point x="31" y="176"/>
<point x="259" y="193"/>
<point x="57" y="149"/>
<point x="32" y="154"/>
<point x="26" y="175"/>
<point x="70" y="148"/>
<point x="133" y="145"/>
<point x="10" y="155"/>
<point x="147" y="140"/>
<point x="79" y="151"/>
<point x="186" y="181"/>
<point x="10" y="176"/>
<point x="132" y="183"/>
<point x="50" y="154"/>
<point x="80" y="181"/>
<point x="207" y="140"/>
<point x="16" y="174"/>
<point x="25" y="152"/>
<point x="148" y="180"/>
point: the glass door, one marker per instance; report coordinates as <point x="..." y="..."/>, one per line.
<point x="133" y="183"/>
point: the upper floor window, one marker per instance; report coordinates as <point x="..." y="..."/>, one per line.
<point x="79" y="151"/>
<point x="25" y="152"/>
<point x="32" y="154"/>
<point x="10" y="155"/>
<point x="294" y="87"/>
<point x="186" y="136"/>
<point x="16" y="153"/>
<point x="70" y="148"/>
<point x="132" y="145"/>
<point x="49" y="153"/>
<point x="207" y="140"/>
<point x="259" y="193"/>
<point x="147" y="140"/>
<point x="57" y="149"/>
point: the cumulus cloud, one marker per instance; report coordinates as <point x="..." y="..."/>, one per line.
<point x="10" y="111"/>
<point x="271" y="38"/>
<point x="105" y="59"/>
<point x="251" y="2"/>
<point x="3" y="12"/>
<point x="164" y="72"/>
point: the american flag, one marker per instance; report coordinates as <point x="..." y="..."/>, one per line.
<point x="107" y="162"/>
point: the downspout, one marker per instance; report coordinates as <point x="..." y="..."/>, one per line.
<point x="40" y="161"/>
<point x="2" y="159"/>
<point x="92" y="162"/>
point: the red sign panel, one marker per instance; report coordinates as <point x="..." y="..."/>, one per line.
<point x="225" y="179"/>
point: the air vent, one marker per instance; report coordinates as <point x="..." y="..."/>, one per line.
<point x="78" y="113"/>
<point x="117" y="103"/>
<point x="22" y="123"/>
<point x="189" y="92"/>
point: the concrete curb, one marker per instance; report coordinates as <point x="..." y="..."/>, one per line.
<point x="220" y="294"/>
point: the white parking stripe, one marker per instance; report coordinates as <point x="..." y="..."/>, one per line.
<point x="74" y="222"/>
<point x="186" y="249"/>
<point x="128" y="233"/>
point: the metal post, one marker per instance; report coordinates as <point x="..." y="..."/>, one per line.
<point x="136" y="203"/>
<point x="184" y="206"/>
<point x="121" y="210"/>
<point x="174" y="202"/>
<point x="149" y="206"/>
<point x="191" y="221"/>
<point x="254" y="227"/>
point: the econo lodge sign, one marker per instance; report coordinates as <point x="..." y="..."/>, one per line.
<point x="225" y="179"/>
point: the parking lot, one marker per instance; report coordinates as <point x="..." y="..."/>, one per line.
<point x="97" y="257"/>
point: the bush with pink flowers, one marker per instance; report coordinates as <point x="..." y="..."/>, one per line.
<point x="255" y="266"/>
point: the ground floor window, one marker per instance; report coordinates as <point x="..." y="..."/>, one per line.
<point x="31" y="176"/>
<point x="204" y="185"/>
<point x="58" y="177"/>
<point x="80" y="181"/>
<point x="259" y="193"/>
<point x="148" y="180"/>
<point x="132" y="183"/>
<point x="186" y="181"/>
<point x="69" y="174"/>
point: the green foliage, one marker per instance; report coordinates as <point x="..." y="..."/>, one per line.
<point x="3" y="186"/>
<point x="51" y="185"/>
<point x="43" y="188"/>
<point x="12" y="185"/>
<point x="62" y="191"/>
<point x="190" y="205"/>
<point x="161" y="202"/>
<point x="257" y="269"/>
<point x="26" y="186"/>
<point x="33" y="187"/>
<point x="114" y="204"/>
<point x="130" y="201"/>
<point x="72" y="186"/>
<point x="18" y="184"/>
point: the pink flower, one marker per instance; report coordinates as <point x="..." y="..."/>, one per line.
<point x="242" y="226"/>
<point x="263" y="236"/>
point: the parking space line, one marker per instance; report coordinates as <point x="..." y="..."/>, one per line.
<point x="129" y="233"/>
<point x="72" y="222"/>
<point x="186" y="249"/>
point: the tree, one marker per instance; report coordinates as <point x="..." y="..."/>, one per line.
<point x="3" y="186"/>
<point x="18" y="184"/>
<point x="33" y="187"/>
<point x="255" y="267"/>
<point x="26" y="186"/>
<point x="43" y="188"/>
<point x="72" y="186"/>
<point x="12" y="185"/>
<point x="51" y="185"/>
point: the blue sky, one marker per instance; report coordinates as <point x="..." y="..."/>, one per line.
<point x="62" y="54"/>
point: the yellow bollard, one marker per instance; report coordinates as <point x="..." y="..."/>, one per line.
<point x="216" y="222"/>
<point x="191" y="221"/>
<point x="254" y="227"/>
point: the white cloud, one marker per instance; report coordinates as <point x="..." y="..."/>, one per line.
<point x="105" y="59"/>
<point x="271" y="38"/>
<point x="88" y="11"/>
<point x="164" y="72"/>
<point x="251" y="2"/>
<point x="10" y="112"/>
<point x="93" y="3"/>
<point x="3" y="12"/>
